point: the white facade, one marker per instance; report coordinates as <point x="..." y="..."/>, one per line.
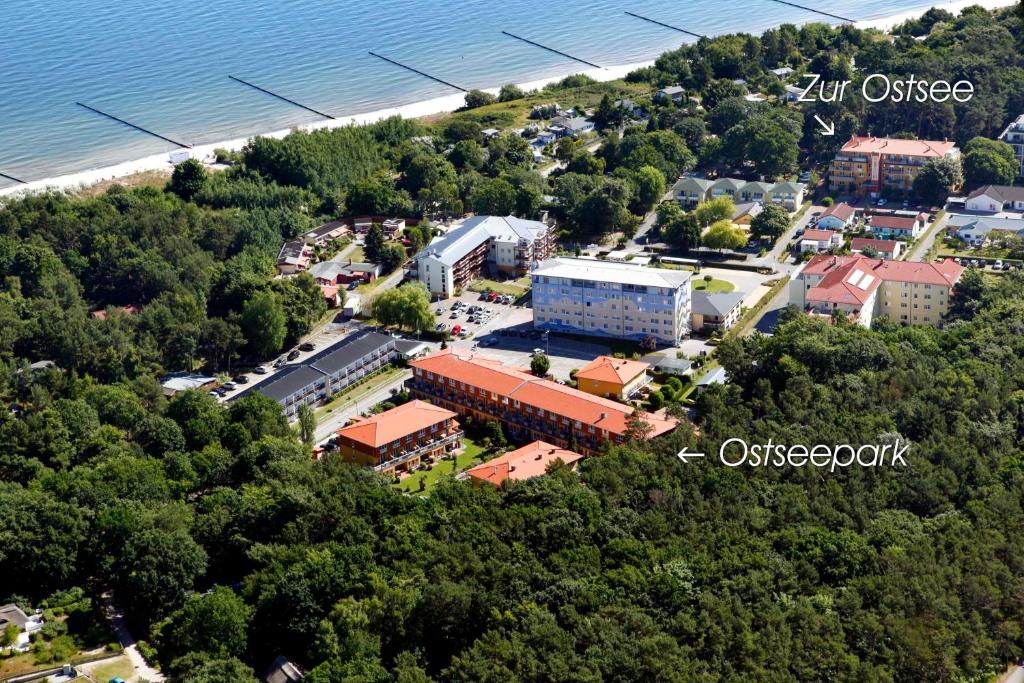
<point x="608" y="299"/>
<point x="1014" y="136"/>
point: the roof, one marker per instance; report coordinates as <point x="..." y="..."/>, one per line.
<point x="716" y="376"/>
<point x="715" y="303"/>
<point x="491" y="375"/>
<point x="1004" y="193"/>
<point x="782" y="71"/>
<point x="282" y="671"/>
<point x="942" y="272"/>
<point x="396" y="423"/>
<point x="475" y="231"/>
<point x="285" y="382"/>
<point x="915" y="148"/>
<point x="894" y="222"/>
<point x="409" y="347"/>
<point x="729" y="183"/>
<point x="700" y="185"/>
<point x="883" y="246"/>
<point x="852" y="282"/>
<point x="614" y="370"/>
<point x="183" y="381"/>
<point x="673" y="90"/>
<point x="818" y="235"/>
<point x="985" y="224"/>
<point x="530" y="461"/>
<point x="327" y="270"/>
<point x="842" y="211"/>
<point x="748" y="209"/>
<point x="12" y="614"/>
<point x="349" y="350"/>
<point x="672" y="365"/>
<point x="609" y="271"/>
<point x="333" y="228"/>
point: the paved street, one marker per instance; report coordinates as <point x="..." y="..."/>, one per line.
<point x="922" y="246"/>
<point x="331" y="422"/>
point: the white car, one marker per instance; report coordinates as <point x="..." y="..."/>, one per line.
<point x="538" y="352"/>
<point x="881" y="202"/>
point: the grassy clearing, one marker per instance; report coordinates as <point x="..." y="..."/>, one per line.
<point x="514" y="288"/>
<point x="113" y="668"/>
<point x="472" y="454"/>
<point x="714" y="285"/>
<point x="358" y="391"/>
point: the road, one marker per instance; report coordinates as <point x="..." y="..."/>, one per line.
<point x="143" y="671"/>
<point x="330" y="423"/>
<point x="1014" y="676"/>
<point x="921" y="248"/>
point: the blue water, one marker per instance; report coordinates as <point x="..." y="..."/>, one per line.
<point x="165" y="65"/>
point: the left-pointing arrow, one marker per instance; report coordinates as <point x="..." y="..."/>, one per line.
<point x="684" y="456"/>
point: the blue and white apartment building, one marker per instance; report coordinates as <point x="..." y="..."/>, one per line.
<point x="608" y="299"/>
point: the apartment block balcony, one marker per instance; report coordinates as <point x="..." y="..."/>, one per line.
<point x="433" y="444"/>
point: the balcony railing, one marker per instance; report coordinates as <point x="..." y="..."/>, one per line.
<point x="406" y="456"/>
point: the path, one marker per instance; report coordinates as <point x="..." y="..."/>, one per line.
<point x="921" y="248"/>
<point x="120" y="625"/>
<point x="330" y="423"/>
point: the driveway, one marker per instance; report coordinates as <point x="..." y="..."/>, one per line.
<point x="921" y="248"/>
<point x="120" y="625"/>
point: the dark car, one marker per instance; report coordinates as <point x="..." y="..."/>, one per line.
<point x="483" y="296"/>
<point x="306" y="346"/>
<point x="352" y="285"/>
<point x="293" y="354"/>
<point x="241" y="379"/>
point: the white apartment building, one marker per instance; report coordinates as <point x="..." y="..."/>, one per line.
<point x="1014" y="136"/>
<point x="491" y="244"/>
<point x="607" y="299"/>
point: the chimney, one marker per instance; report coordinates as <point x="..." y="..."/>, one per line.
<point x="540" y="455"/>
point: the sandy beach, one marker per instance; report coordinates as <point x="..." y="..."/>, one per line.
<point x="437" y="105"/>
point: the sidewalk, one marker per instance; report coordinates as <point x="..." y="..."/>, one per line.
<point x="120" y="625"/>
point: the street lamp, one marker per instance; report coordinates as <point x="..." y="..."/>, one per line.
<point x="547" y="343"/>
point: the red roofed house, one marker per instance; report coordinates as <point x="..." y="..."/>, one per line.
<point x="862" y="288"/>
<point x="895" y="227"/>
<point x="527" y="408"/>
<point x="870" y="165"/>
<point x="400" y="438"/>
<point x="889" y="250"/>
<point x="819" y="240"/>
<point x="612" y="377"/>
<point x="837" y="217"/>
<point x="521" y="464"/>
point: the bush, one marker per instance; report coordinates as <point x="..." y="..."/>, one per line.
<point x="828" y="201"/>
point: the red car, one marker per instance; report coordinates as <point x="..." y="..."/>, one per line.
<point x="456" y="329"/>
<point x="492" y="296"/>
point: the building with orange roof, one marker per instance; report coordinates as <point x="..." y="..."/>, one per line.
<point x="871" y="166"/>
<point x="862" y="288"/>
<point x="532" y="460"/>
<point x="399" y="439"/>
<point x="528" y="408"/>
<point x="611" y="377"/>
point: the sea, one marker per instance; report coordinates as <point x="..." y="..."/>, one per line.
<point x="165" y="66"/>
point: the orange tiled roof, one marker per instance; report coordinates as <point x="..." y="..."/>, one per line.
<point x="614" y="370"/>
<point x="818" y="235"/>
<point x="490" y="375"/>
<point x="396" y="423"/>
<point x="946" y="272"/>
<point x="531" y="460"/>
<point x="915" y="148"/>
<point x="842" y="211"/>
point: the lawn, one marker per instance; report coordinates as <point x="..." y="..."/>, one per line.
<point x="358" y="391"/>
<point x="112" y="668"/>
<point x="715" y="285"/>
<point x="471" y="455"/>
<point x="514" y="288"/>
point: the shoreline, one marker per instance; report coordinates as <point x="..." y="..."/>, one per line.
<point x="81" y="180"/>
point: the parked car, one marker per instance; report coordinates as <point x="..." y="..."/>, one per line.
<point x="279" y="362"/>
<point x="260" y="370"/>
<point x="240" y="379"/>
<point x="230" y="386"/>
<point x="492" y="296"/>
<point x="998" y="265"/>
<point x="221" y="391"/>
<point x="882" y="201"/>
<point x="214" y="394"/>
<point x="440" y="310"/>
<point x="483" y="295"/>
<point x="457" y="329"/>
<point x="537" y="352"/>
<point x="353" y="285"/>
<point x="293" y="354"/>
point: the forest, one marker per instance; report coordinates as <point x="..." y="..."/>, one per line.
<point x="227" y="545"/>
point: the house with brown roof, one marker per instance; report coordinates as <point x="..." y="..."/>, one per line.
<point x="819" y="240"/>
<point x="401" y="438"/>
<point x="897" y="227"/>
<point x="889" y="250"/>
<point x="996" y="198"/>
<point x="862" y="288"/>
<point x="612" y="377"/>
<point x="532" y="460"/>
<point x="837" y="217"/>
<point x="527" y="407"/>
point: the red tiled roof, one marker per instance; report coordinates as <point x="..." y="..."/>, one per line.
<point x="946" y="272"/>
<point x="842" y="211"/>
<point x="850" y="283"/>
<point x="614" y="370"/>
<point x="490" y="375"/>
<point x="818" y="235"/>
<point x="523" y="463"/>
<point x="894" y="222"/>
<point x="884" y="246"/>
<point x="396" y="423"/>
<point x="914" y="148"/>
